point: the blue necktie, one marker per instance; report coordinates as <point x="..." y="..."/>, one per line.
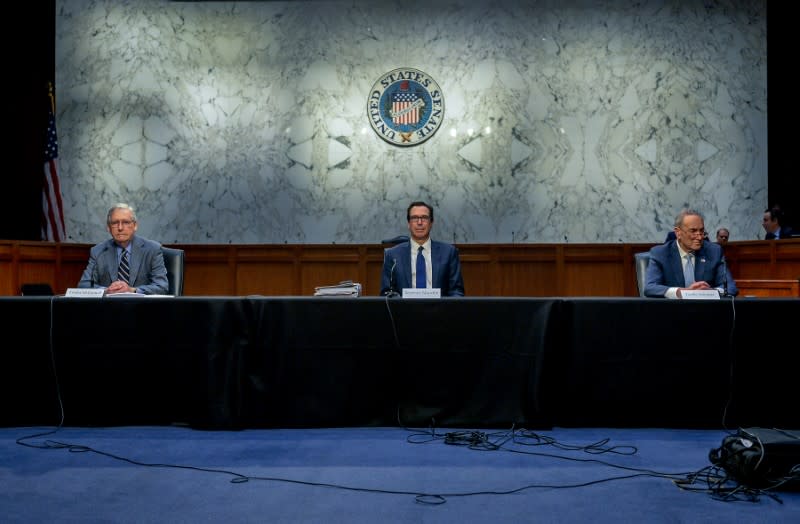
<point x="688" y="271"/>
<point x="421" y="270"/>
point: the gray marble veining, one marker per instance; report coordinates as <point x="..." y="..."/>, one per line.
<point x="246" y="122"/>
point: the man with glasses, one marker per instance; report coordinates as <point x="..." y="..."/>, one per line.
<point x="688" y="262"/>
<point x="421" y="262"/>
<point x="125" y="263"/>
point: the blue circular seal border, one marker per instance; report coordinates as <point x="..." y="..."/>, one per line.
<point x="405" y="107"/>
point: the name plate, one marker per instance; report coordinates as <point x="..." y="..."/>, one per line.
<point x="79" y="292"/>
<point x="411" y="292"/>
<point x="700" y="294"/>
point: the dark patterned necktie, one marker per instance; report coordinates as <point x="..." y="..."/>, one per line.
<point x="421" y="280"/>
<point x="124" y="271"/>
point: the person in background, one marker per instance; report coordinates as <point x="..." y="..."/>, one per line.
<point x="126" y="262"/>
<point x="421" y="262"/>
<point x="772" y="224"/>
<point x="723" y="235"/>
<point x="688" y="262"/>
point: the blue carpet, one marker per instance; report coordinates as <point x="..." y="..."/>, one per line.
<point x="381" y="475"/>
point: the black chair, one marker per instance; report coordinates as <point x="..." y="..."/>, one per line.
<point x="173" y="259"/>
<point x="642" y="259"/>
<point x="394" y="241"/>
<point x="31" y="290"/>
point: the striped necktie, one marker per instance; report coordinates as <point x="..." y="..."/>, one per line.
<point x="124" y="271"/>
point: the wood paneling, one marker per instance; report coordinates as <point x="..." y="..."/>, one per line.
<point x="265" y="278"/>
<point x="768" y="288"/>
<point x="208" y="278"/>
<point x="765" y="259"/>
<point x="533" y="270"/>
<point x="521" y="279"/>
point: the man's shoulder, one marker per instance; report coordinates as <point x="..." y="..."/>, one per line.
<point x="444" y="245"/>
<point x="398" y="247"/>
<point x="102" y="246"/>
<point x="146" y="243"/>
<point x="444" y="250"/>
<point x="661" y="250"/>
<point x="710" y="250"/>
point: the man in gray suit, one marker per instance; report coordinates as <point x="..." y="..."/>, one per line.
<point x="688" y="262"/>
<point x="125" y="263"/>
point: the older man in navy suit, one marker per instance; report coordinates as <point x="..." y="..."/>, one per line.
<point x="125" y="263"/>
<point x="688" y="262"/>
<point x="422" y="262"/>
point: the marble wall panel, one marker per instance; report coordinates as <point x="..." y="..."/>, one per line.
<point x="246" y="122"/>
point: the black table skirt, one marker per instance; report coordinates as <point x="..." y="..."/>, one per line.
<point x="239" y="362"/>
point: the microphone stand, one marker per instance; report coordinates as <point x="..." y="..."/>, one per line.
<point x="392" y="293"/>
<point x="725" y="293"/>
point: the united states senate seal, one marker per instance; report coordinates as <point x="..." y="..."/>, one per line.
<point x="405" y="107"/>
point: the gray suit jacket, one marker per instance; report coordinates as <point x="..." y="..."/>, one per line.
<point x="148" y="272"/>
<point x="665" y="269"/>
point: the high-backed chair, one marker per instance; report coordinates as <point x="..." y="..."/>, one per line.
<point x="173" y="259"/>
<point x="42" y="289"/>
<point x="641" y="259"/>
<point x="394" y="241"/>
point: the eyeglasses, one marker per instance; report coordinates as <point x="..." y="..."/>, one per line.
<point x="695" y="231"/>
<point x="419" y="218"/>
<point x="122" y="223"/>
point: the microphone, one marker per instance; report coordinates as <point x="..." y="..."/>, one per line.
<point x="392" y="292"/>
<point x="724" y="277"/>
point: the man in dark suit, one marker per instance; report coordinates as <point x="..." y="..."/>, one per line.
<point x="125" y="263"/>
<point x="422" y="262"/>
<point x="772" y="225"/>
<point x="723" y="235"/>
<point x="688" y="262"/>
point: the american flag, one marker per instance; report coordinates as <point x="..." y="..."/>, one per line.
<point x="405" y="109"/>
<point x="52" y="207"/>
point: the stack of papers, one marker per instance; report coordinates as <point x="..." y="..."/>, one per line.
<point x="347" y="288"/>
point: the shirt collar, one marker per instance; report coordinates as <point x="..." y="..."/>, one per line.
<point x="426" y="245"/>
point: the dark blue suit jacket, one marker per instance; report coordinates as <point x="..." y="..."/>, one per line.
<point x="445" y="262"/>
<point x="148" y="272"/>
<point x="785" y="232"/>
<point x="665" y="269"/>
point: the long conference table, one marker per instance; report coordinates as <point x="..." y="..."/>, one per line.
<point x="261" y="362"/>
